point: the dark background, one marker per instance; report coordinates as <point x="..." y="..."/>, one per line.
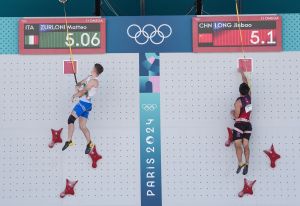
<point x="26" y="8"/>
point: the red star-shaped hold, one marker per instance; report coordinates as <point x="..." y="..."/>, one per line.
<point x="56" y="138"/>
<point x="247" y="188"/>
<point x="95" y="157"/>
<point x="272" y="155"/>
<point x="230" y="137"/>
<point x="69" y="190"/>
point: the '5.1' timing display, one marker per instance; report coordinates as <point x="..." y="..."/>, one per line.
<point x="228" y="34"/>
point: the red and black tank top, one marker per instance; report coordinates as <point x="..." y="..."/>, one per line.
<point x="246" y="107"/>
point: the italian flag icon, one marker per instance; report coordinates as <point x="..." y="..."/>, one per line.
<point x="31" y="40"/>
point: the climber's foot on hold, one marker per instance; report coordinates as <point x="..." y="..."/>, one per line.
<point x="67" y="144"/>
<point x="89" y="147"/>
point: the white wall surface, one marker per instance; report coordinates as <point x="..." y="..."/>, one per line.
<point x="197" y="93"/>
<point x="35" y="98"/>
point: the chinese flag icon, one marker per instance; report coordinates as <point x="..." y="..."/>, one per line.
<point x="205" y="38"/>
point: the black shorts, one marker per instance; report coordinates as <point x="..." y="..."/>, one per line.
<point x="242" y="130"/>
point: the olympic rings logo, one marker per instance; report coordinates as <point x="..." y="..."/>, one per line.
<point x="149" y="32"/>
<point x="149" y="107"/>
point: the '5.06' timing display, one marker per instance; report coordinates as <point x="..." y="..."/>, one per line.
<point x="53" y="35"/>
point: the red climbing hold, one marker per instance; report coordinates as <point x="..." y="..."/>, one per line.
<point x="95" y="157"/>
<point x="230" y="137"/>
<point x="272" y="155"/>
<point x="247" y="188"/>
<point x="56" y="138"/>
<point x="69" y="190"/>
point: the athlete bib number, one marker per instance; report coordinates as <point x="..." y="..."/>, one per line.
<point x="248" y="108"/>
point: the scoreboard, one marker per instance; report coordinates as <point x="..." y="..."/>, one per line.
<point x="50" y="36"/>
<point x="223" y="33"/>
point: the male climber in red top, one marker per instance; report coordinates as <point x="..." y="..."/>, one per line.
<point x="242" y="127"/>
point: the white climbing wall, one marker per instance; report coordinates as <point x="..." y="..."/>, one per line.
<point x="35" y="97"/>
<point x="197" y="94"/>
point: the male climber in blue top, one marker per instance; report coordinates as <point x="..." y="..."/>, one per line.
<point x="85" y="90"/>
